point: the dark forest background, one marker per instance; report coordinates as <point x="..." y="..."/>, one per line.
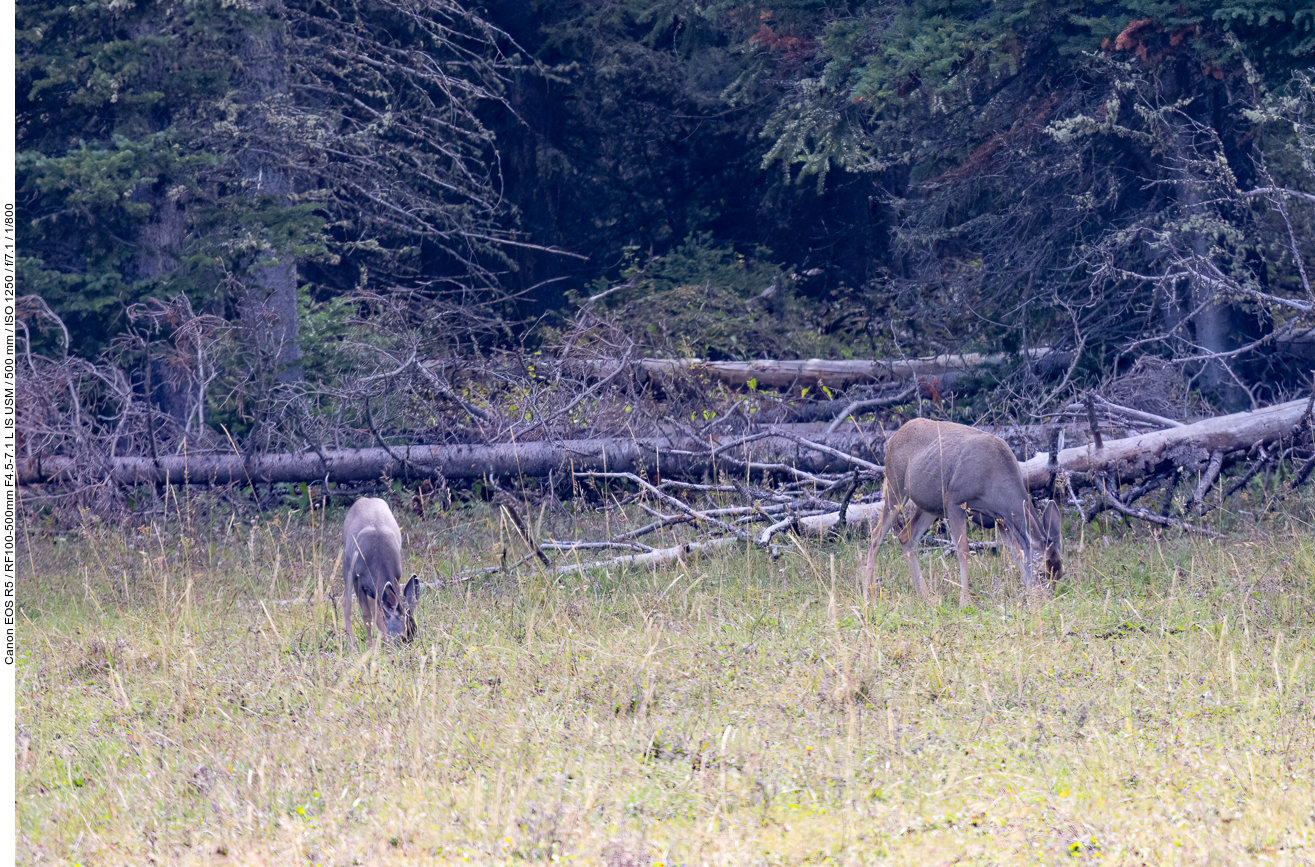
<point x="284" y="224"/>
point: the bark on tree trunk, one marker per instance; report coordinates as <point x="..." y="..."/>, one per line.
<point x="1211" y="315"/>
<point x="159" y="244"/>
<point x="813" y="372"/>
<point x="509" y="460"/>
<point x="269" y="307"/>
<point x="1189" y="446"/>
<point x="160" y="240"/>
<point x="269" y="311"/>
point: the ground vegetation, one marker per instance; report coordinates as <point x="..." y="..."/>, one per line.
<point x="185" y="697"/>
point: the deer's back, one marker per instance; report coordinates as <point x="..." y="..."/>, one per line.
<point x="372" y="540"/>
<point x="929" y="461"/>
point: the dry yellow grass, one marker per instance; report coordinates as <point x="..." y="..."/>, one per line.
<point x="735" y="709"/>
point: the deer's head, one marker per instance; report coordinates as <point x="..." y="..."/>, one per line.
<point x="395" y="612"/>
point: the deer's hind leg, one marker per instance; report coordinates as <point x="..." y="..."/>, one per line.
<point x="919" y="521"/>
<point x="889" y="510"/>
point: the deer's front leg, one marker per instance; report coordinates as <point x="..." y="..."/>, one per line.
<point x="347" y="593"/>
<point x="368" y="614"/>
<point x="1023" y="549"/>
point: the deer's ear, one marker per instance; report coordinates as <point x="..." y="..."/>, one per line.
<point x="390" y="595"/>
<point x="411" y="592"/>
<point x="1051" y="524"/>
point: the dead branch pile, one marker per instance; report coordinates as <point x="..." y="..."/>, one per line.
<point x="145" y="415"/>
<point x="1102" y="474"/>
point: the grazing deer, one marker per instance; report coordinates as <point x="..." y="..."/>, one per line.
<point x="944" y="469"/>
<point x="372" y="571"/>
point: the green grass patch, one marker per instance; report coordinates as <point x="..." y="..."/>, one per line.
<point x="173" y="708"/>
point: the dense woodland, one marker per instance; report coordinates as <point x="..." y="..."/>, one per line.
<point x="286" y="226"/>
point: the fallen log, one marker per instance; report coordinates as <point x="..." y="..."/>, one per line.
<point x="1184" y="448"/>
<point x="837" y="373"/>
<point x="856" y="516"/>
<point x="670" y="456"/>
<point x="1189" y="447"/>
<point x="1193" y="446"/>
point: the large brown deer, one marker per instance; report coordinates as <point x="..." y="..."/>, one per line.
<point x="938" y="468"/>
<point x="372" y="572"/>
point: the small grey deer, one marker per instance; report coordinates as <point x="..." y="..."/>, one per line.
<point x="939" y="468"/>
<point x="372" y="572"/>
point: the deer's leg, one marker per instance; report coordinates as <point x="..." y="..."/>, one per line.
<point x="919" y="521"/>
<point x="368" y="614"/>
<point x="957" y="518"/>
<point x="889" y="509"/>
<point x="1023" y="550"/>
<point x="348" y="591"/>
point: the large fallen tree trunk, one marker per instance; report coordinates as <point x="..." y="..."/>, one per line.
<point x="1201" y="445"/>
<point x="666" y="456"/>
<point x="1188" y="447"/>
<point x="771" y="373"/>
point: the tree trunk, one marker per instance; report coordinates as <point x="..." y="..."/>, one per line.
<point x="159" y="245"/>
<point x="1211" y="316"/>
<point x="1188" y="447"/>
<point x="268" y="308"/>
<point x="815" y="372"/>
<point x="509" y="460"/>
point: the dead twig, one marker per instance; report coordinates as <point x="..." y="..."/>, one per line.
<point x="509" y="509"/>
<point x="556" y="545"/>
<point x="859" y="406"/>
<point x="1091" y="421"/>
<point x="844" y="503"/>
<point x="1197" y="500"/>
<point x="649" y="558"/>
<point x="669" y="500"/>
<point x="1124" y="412"/>
<point x="1143" y="515"/>
<point x="827" y="450"/>
<point x="1256" y="466"/>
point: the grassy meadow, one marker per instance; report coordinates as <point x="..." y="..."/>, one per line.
<point x="174" y="707"/>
